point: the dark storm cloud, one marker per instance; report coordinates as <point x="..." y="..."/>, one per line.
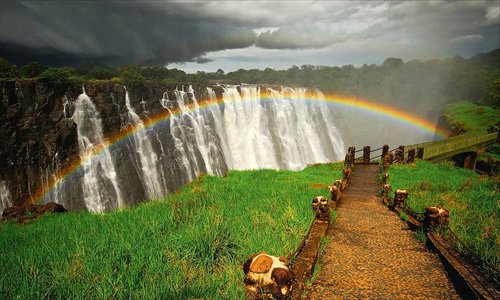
<point x="121" y="32"/>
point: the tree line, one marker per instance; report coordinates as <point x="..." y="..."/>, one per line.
<point x="442" y="81"/>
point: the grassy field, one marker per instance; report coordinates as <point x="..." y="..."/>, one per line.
<point x="473" y="202"/>
<point x="189" y="245"/>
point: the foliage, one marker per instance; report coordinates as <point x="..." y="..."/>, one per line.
<point x="132" y="76"/>
<point x="189" y="245"/>
<point x="32" y="70"/>
<point x="7" y="69"/>
<point x="58" y="76"/>
<point x="95" y="71"/>
<point x="471" y="200"/>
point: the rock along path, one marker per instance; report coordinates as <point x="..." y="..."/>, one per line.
<point x="373" y="255"/>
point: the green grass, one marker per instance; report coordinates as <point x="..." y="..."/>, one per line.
<point x="469" y="117"/>
<point x="189" y="245"/>
<point x="473" y="203"/>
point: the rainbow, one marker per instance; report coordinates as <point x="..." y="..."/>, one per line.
<point x="359" y="104"/>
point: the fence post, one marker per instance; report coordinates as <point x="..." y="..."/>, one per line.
<point x="321" y="206"/>
<point x="366" y="154"/>
<point x="267" y="277"/>
<point x="411" y="156"/>
<point x="435" y="217"/>
<point x="385" y="150"/>
<point x="400" y="197"/>
<point x="420" y="153"/>
<point x="388" y="159"/>
<point x="399" y="154"/>
<point x="349" y="157"/>
<point x="385" y="176"/>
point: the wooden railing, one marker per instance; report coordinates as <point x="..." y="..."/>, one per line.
<point x="455" y="145"/>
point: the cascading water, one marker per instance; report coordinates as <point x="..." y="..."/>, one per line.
<point x="100" y="181"/>
<point x="146" y="159"/>
<point x="5" y="197"/>
<point x="195" y="138"/>
<point x="247" y="131"/>
<point x="285" y="131"/>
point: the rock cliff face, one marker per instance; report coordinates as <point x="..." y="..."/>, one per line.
<point x="38" y="136"/>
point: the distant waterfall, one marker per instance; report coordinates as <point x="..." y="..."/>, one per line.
<point x="100" y="181"/>
<point x="5" y="197"/>
<point x="146" y="159"/>
<point x="243" y="130"/>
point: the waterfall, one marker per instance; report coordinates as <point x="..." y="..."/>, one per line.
<point x="147" y="163"/>
<point x="5" y="197"/>
<point x="248" y="128"/>
<point x="195" y="137"/>
<point x="100" y="181"/>
<point x="284" y="131"/>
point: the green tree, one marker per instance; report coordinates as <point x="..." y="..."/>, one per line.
<point x="32" y="70"/>
<point x="7" y="69"/>
<point x="58" y="76"/>
<point x="131" y="75"/>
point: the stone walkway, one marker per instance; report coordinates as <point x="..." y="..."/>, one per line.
<point x="373" y="255"/>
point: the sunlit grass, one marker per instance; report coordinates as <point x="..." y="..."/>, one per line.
<point x="469" y="117"/>
<point x="473" y="202"/>
<point x="189" y="245"/>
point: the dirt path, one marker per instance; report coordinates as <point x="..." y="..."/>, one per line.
<point x="373" y="255"/>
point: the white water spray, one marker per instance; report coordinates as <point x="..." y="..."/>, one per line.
<point x="150" y="171"/>
<point x="283" y="132"/>
<point x="5" y="197"/>
<point x="100" y="181"/>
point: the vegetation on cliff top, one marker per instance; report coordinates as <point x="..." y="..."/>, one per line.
<point x="467" y="117"/>
<point x="189" y="245"/>
<point x="472" y="201"/>
<point x="404" y="84"/>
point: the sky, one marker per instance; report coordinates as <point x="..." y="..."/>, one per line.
<point x="229" y="35"/>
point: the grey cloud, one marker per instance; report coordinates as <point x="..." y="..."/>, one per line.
<point x="130" y="32"/>
<point x="471" y="38"/>
<point x="294" y="38"/>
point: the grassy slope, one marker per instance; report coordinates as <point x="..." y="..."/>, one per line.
<point x="190" y="245"/>
<point x="468" y="117"/>
<point x="473" y="202"/>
